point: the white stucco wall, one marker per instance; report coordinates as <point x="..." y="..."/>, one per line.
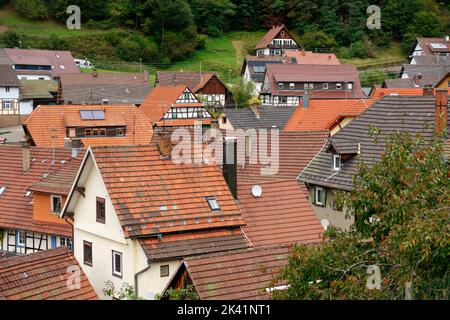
<point x="26" y="106"/>
<point x="12" y="94"/>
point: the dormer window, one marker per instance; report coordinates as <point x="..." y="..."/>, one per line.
<point x="56" y="204"/>
<point x="336" y="162"/>
<point x="349" y="86"/>
<point x="338" y="86"/>
<point x="291" y="85"/>
<point x="213" y="204"/>
<point x="280" y="85"/>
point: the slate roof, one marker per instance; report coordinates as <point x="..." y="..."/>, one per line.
<point x="282" y="215"/>
<point x="16" y="210"/>
<point x="314" y="73"/>
<point x="242" y="275"/>
<point x="323" y="114"/>
<point x="54" y="58"/>
<point x="153" y="196"/>
<point x="296" y="149"/>
<point x="42" y="276"/>
<point x="38" y="89"/>
<point x="138" y="127"/>
<point x="270" y="116"/>
<point x="183" y="245"/>
<point x="116" y="87"/>
<point x="8" y="77"/>
<point x="390" y="114"/>
<point x="430" y="75"/>
<point x="194" y="80"/>
<point x="434" y="59"/>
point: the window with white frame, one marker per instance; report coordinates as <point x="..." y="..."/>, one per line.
<point x="305" y="85"/>
<point x="65" y="242"/>
<point x="7" y="104"/>
<point x="336" y="162"/>
<point x="213" y="204"/>
<point x="311" y="86"/>
<point x="20" y="238"/>
<point x="164" y="270"/>
<point x="117" y="264"/>
<point x="280" y="85"/>
<point x="338" y="86"/>
<point x="291" y="85"/>
<point x="56" y="203"/>
<point x="349" y="86"/>
<point x="320" y="197"/>
<point x="325" y="86"/>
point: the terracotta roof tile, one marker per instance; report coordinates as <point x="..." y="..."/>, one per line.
<point x="322" y="114"/>
<point x="237" y="275"/>
<point x="309" y="57"/>
<point x="16" y="210"/>
<point x="378" y="93"/>
<point x="269" y="36"/>
<point x="42" y="276"/>
<point x="282" y="215"/>
<point x="138" y="127"/>
<point x="154" y="196"/>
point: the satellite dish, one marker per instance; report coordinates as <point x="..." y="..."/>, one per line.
<point x="257" y="191"/>
<point x="325" y="223"/>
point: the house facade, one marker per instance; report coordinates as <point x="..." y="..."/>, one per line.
<point x="333" y="168"/>
<point x="286" y="85"/>
<point x="123" y="233"/>
<point x="9" y="96"/>
<point x="276" y="42"/>
<point x="206" y="85"/>
<point x="430" y="46"/>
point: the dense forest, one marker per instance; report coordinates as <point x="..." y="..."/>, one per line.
<point x="174" y="29"/>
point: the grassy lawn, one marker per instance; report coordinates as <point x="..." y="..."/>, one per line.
<point x="38" y="28"/>
<point x="384" y="57"/>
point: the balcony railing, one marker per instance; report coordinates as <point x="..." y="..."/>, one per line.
<point x="283" y="46"/>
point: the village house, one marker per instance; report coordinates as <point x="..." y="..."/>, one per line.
<point x="34" y="93"/>
<point x="286" y="85"/>
<point x="33" y="64"/>
<point x="276" y="42"/>
<point x="205" y="85"/>
<point x="175" y="106"/>
<point x="9" y="97"/>
<point x="430" y="46"/>
<point x="137" y="213"/>
<point x="324" y="114"/>
<point x="103" y="88"/>
<point x="87" y="125"/>
<point x="34" y="183"/>
<point x="333" y="168"/>
<point x="43" y="276"/>
<point x="255" y="117"/>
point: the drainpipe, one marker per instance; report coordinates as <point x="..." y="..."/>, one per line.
<point x="136" y="276"/>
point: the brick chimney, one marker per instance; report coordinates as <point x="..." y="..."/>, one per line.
<point x="441" y="110"/>
<point x="26" y="164"/>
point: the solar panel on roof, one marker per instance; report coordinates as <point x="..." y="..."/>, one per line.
<point x="438" y="46"/>
<point x="92" y="115"/>
<point x="86" y="115"/>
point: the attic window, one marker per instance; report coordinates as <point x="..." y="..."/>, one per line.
<point x="2" y="189"/>
<point x="336" y="162"/>
<point x="349" y="86"/>
<point x="213" y="204"/>
<point x="280" y="85"/>
<point x="282" y="33"/>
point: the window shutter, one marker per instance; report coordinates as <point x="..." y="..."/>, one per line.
<point x="324" y="198"/>
<point x="313" y="194"/>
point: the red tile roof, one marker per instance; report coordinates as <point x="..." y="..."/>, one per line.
<point x="296" y="149"/>
<point x="42" y="276"/>
<point x="193" y="243"/>
<point x="16" y="210"/>
<point x="314" y="73"/>
<point x="323" y="114"/>
<point x="138" y="127"/>
<point x="282" y="215"/>
<point x="54" y="58"/>
<point x="154" y="196"/>
<point x="309" y="57"/>
<point x="237" y="275"/>
<point x="378" y="93"/>
<point x="269" y="36"/>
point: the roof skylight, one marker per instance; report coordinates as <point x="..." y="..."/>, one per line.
<point x="2" y="189"/>
<point x="213" y="204"/>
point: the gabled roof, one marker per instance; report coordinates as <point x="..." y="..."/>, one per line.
<point x="428" y="60"/>
<point x="8" y="77"/>
<point x="314" y="73"/>
<point x="194" y="80"/>
<point x="153" y="196"/>
<point x="241" y="275"/>
<point x="261" y="61"/>
<point x="429" y="49"/>
<point x="282" y="215"/>
<point x="54" y="58"/>
<point x="323" y="114"/>
<point x="269" y="116"/>
<point x="309" y="57"/>
<point x="377" y="93"/>
<point x="414" y="114"/>
<point x="47" y="124"/>
<point x="270" y="35"/>
<point x="429" y="75"/>
<point x="16" y="210"/>
<point x="296" y="149"/>
<point x="43" y="276"/>
<point x="116" y="87"/>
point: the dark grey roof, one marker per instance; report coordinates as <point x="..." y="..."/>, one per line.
<point x="8" y="77"/>
<point x="430" y="74"/>
<point x="259" y="76"/>
<point x="434" y="59"/>
<point x="269" y="117"/>
<point x="414" y="114"/>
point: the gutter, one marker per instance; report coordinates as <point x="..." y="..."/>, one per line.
<point x="136" y="276"/>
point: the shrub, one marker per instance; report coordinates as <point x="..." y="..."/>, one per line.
<point x="129" y="50"/>
<point x="56" y="43"/>
<point x="317" y="40"/>
<point x="33" y="9"/>
<point x="359" y="49"/>
<point x="10" y="39"/>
